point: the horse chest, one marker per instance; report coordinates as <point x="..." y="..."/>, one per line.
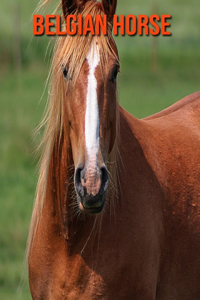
<point x="83" y="283"/>
<point x="98" y="274"/>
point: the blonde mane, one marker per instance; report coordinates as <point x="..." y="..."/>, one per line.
<point x="69" y="51"/>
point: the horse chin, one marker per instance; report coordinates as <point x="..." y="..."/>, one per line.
<point x="96" y="208"/>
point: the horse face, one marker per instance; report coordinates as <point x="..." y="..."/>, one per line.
<point x="92" y="122"/>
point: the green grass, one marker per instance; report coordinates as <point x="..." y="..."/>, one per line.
<point x="19" y="114"/>
<point x="142" y="91"/>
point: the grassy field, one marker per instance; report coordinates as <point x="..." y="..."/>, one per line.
<point x="142" y="91"/>
<point x="19" y="114"/>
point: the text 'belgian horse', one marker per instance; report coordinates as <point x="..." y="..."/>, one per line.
<point x="117" y="209"/>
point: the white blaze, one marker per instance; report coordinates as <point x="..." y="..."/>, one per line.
<point x="92" y="109"/>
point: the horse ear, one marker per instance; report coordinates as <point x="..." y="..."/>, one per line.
<point x="109" y="8"/>
<point x="69" y="6"/>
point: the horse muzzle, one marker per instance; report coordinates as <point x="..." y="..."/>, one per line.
<point x="91" y="185"/>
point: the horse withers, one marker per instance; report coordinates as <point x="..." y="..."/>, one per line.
<point x="117" y="209"/>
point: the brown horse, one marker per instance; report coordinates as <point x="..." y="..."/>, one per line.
<point x="117" y="209"/>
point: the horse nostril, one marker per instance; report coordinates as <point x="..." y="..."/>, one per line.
<point x="104" y="178"/>
<point x="77" y="180"/>
<point x="78" y="175"/>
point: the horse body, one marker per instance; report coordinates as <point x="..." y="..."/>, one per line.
<point x="150" y="244"/>
<point x="174" y="159"/>
<point x="136" y="235"/>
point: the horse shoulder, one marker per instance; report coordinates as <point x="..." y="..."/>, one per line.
<point x="170" y="144"/>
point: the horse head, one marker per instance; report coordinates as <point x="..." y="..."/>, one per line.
<point x="91" y="105"/>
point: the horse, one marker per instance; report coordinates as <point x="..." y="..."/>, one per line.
<point x="117" y="207"/>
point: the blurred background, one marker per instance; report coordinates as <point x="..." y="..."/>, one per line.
<point x="155" y="72"/>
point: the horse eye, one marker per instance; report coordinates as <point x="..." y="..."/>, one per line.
<point x="114" y="73"/>
<point x="65" y="73"/>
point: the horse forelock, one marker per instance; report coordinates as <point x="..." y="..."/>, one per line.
<point x="69" y="51"/>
